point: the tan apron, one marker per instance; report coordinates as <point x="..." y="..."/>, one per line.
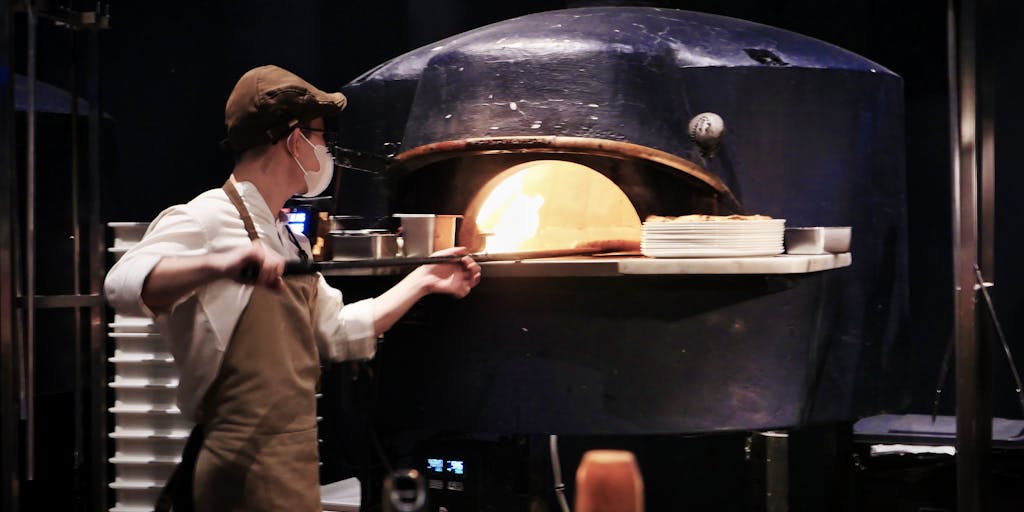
<point x="260" y="450"/>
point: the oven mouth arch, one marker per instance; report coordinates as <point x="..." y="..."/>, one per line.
<point x="421" y="156"/>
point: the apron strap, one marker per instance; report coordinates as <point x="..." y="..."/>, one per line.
<point x="232" y="192"/>
<point x="250" y="228"/>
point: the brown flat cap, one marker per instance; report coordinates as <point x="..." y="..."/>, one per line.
<point x="267" y="102"/>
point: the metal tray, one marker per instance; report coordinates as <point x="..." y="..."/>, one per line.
<point x="364" y="244"/>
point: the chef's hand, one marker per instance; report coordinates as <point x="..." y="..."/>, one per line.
<point x="451" y="278"/>
<point x="252" y="265"/>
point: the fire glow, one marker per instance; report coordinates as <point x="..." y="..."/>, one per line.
<point x="550" y="204"/>
<point x="510" y="216"/>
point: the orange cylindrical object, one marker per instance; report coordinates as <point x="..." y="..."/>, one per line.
<point x="609" y="481"/>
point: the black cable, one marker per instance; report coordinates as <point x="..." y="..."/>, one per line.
<point x="366" y="403"/>
<point x="370" y="409"/>
<point x="999" y="333"/>
<point x="940" y="384"/>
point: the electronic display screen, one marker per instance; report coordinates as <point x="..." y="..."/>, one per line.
<point x="451" y="466"/>
<point x="297" y="221"/>
<point x="455" y="467"/>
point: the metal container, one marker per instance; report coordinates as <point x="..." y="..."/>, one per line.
<point x="363" y="244"/>
<point x="425" y="233"/>
<point x="346" y="222"/>
<point x="818" y="240"/>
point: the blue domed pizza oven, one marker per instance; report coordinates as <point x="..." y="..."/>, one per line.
<point x="812" y="134"/>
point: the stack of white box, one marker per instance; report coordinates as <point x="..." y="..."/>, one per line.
<point x="149" y="431"/>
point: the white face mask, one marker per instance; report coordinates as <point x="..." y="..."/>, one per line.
<point x="317" y="181"/>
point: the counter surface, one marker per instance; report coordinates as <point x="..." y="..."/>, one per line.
<point x="639" y="265"/>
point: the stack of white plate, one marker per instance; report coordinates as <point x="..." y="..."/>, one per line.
<point x="126" y="235"/>
<point x="713" y="239"/>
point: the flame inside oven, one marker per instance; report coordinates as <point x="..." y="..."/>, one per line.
<point x="548" y="204"/>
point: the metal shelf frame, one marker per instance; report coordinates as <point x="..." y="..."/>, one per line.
<point x="18" y="300"/>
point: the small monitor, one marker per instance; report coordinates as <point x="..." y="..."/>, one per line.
<point x="455" y="467"/>
<point x="297" y="221"/>
<point x="435" y="465"/>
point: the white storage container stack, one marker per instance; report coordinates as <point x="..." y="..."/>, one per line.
<point x="149" y="431"/>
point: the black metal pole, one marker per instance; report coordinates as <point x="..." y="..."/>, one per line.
<point x="9" y="415"/>
<point x="30" y="249"/>
<point x="80" y="370"/>
<point x="97" y="264"/>
<point x="987" y="130"/>
<point x="973" y="389"/>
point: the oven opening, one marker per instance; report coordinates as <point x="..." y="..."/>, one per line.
<point x="547" y="204"/>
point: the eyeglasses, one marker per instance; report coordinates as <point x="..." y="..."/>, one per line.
<point x="330" y="137"/>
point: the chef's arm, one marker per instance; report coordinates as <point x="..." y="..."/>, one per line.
<point x="446" y="278"/>
<point x="175" y="277"/>
<point x="389" y="306"/>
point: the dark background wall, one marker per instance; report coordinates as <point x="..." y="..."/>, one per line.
<point x="167" y="68"/>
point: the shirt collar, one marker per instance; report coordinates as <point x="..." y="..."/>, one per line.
<point x="257" y="206"/>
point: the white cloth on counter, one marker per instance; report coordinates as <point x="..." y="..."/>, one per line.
<point x="200" y="325"/>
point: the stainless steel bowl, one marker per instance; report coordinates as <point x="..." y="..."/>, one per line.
<point x="363" y="244"/>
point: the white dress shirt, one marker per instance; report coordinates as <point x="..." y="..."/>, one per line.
<point x="199" y="326"/>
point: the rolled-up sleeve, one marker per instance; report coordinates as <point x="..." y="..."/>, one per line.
<point x="344" y="331"/>
<point x="123" y="286"/>
<point x="173" y="232"/>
